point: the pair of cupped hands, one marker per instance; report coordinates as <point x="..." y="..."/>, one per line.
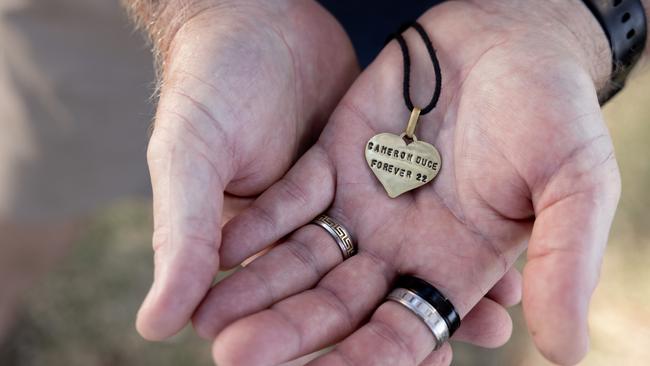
<point x="261" y="125"/>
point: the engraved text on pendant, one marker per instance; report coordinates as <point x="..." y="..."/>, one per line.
<point x="401" y="167"/>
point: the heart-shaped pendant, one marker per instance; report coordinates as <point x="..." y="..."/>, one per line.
<point x="401" y="166"/>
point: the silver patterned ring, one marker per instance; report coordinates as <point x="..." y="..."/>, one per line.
<point x="423" y="310"/>
<point x="341" y="236"/>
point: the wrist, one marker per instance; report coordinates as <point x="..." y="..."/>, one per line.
<point x="586" y="37"/>
<point x="162" y="19"/>
<point x="568" y="24"/>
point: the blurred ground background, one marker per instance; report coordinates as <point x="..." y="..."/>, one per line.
<point x="83" y="313"/>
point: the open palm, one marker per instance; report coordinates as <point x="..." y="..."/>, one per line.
<point x="526" y="158"/>
<point x="238" y="78"/>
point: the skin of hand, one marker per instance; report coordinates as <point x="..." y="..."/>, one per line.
<point x="240" y="79"/>
<point x="527" y="162"/>
<point x="246" y="87"/>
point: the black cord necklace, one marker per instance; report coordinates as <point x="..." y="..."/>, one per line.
<point x="402" y="163"/>
<point x="407" y="69"/>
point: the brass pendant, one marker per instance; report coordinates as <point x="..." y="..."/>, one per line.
<point x="399" y="165"/>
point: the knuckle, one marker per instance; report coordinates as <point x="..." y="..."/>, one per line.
<point x="158" y="147"/>
<point x="334" y="300"/>
<point x="292" y="191"/>
<point x="603" y="182"/>
<point x="160" y="239"/>
<point x="392" y="340"/>
<point x="305" y="255"/>
<point x="590" y="170"/>
<point x="263" y="281"/>
<point x="263" y="214"/>
<point x="612" y="179"/>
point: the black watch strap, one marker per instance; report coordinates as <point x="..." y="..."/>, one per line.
<point x="624" y="23"/>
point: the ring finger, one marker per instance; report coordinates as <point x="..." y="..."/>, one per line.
<point x="293" y="266"/>
<point x="321" y="316"/>
<point x="287" y="269"/>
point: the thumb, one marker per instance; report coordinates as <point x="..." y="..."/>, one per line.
<point x="189" y="170"/>
<point x="573" y="216"/>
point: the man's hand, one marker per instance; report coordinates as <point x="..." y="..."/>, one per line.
<point x="526" y="158"/>
<point x="246" y="86"/>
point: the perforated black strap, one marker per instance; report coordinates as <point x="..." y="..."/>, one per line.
<point x="624" y="23"/>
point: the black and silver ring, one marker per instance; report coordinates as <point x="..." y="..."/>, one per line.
<point x="428" y="304"/>
<point x="341" y="235"/>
